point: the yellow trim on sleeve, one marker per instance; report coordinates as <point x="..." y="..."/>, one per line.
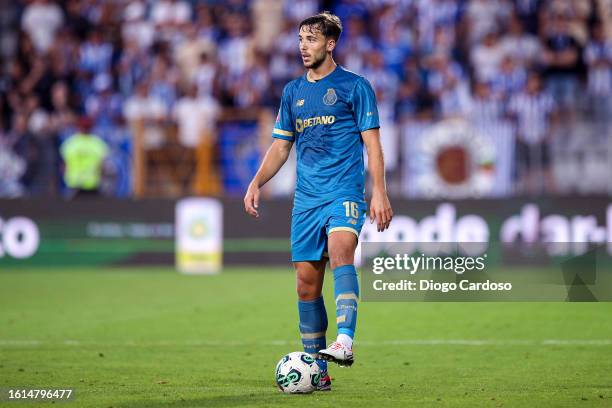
<point x="282" y="132"/>
<point x="353" y="230"/>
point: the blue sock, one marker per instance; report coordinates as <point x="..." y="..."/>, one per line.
<point x="346" y="293"/>
<point x="313" y="325"/>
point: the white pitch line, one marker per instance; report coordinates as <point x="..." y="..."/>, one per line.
<point x="366" y="343"/>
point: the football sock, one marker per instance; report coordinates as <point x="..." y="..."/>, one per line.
<point x="313" y="324"/>
<point x="346" y="293"/>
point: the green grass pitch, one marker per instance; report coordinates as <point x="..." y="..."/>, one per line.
<point x="152" y="338"/>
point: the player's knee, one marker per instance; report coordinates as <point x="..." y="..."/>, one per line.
<point x="341" y="249"/>
<point x="307" y="289"/>
<point x="341" y="258"/>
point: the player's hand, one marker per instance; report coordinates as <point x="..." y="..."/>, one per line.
<point x="380" y="210"/>
<point x="251" y="200"/>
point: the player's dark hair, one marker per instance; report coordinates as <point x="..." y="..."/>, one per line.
<point x="328" y="24"/>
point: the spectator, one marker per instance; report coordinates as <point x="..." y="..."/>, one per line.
<point x="532" y="110"/>
<point x="132" y="67"/>
<point x="29" y="151"/>
<point x="12" y="168"/>
<point x="41" y="138"/>
<point x="443" y="41"/>
<point x="76" y="23"/>
<point x="250" y="88"/>
<point x="84" y="154"/>
<point x="267" y="17"/>
<point x="170" y="13"/>
<point x="283" y="64"/>
<point x="136" y="28"/>
<point x="146" y="113"/>
<point x="96" y="54"/>
<point x="411" y="85"/>
<point x="164" y="79"/>
<point x="436" y="19"/>
<point x="297" y="10"/>
<point x="485" y="16"/>
<point x="485" y="106"/>
<point x="189" y="53"/>
<point x="62" y="115"/>
<point x="510" y="78"/>
<point x="395" y="48"/>
<point x="561" y="59"/>
<point x="446" y="81"/>
<point x="196" y="117"/>
<point x="522" y="47"/>
<point x="206" y="75"/>
<point x="41" y="20"/>
<point x="207" y="29"/>
<point x="598" y="57"/>
<point x="103" y="105"/>
<point x="357" y="44"/>
<point x="234" y="51"/>
<point x="382" y="79"/>
<point x="487" y="57"/>
<point x="527" y="12"/>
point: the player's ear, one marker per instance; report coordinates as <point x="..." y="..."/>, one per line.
<point x="331" y="44"/>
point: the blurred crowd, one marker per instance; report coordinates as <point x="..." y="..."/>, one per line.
<point x="109" y="63"/>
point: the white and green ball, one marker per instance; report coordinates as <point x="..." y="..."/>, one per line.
<point x="297" y="373"/>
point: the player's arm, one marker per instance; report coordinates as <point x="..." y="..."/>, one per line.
<point x="380" y="207"/>
<point x="366" y="114"/>
<point x="275" y="157"/>
<point x="277" y="154"/>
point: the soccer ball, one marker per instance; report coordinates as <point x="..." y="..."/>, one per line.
<point x="297" y="373"/>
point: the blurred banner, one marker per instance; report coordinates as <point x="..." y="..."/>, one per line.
<point x="124" y="232"/>
<point x="199" y="235"/>
<point x="86" y="232"/>
<point x="458" y="159"/>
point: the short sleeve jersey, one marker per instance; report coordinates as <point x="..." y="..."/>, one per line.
<point x="325" y="120"/>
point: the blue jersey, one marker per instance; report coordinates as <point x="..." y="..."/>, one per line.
<point x="324" y="119"/>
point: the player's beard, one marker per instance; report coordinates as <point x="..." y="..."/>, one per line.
<point x="318" y="60"/>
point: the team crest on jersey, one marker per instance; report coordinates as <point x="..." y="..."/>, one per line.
<point x="330" y="97"/>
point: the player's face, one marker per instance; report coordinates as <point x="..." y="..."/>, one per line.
<point x="313" y="46"/>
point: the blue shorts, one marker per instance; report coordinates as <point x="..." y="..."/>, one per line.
<point x="310" y="229"/>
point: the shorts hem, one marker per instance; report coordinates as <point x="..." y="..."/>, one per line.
<point x="334" y="229"/>
<point x="308" y="259"/>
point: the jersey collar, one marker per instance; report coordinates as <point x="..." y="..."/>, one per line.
<point x="307" y="78"/>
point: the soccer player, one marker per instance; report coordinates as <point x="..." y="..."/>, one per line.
<point x="329" y="113"/>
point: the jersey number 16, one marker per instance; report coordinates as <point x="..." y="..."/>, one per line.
<point x="352" y="209"/>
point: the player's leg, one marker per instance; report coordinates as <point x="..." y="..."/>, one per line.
<point x="313" y="316"/>
<point x="343" y="230"/>
<point x="342" y="245"/>
<point x="307" y="246"/>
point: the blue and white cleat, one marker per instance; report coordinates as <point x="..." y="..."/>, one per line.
<point x="324" y="382"/>
<point x="337" y="353"/>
